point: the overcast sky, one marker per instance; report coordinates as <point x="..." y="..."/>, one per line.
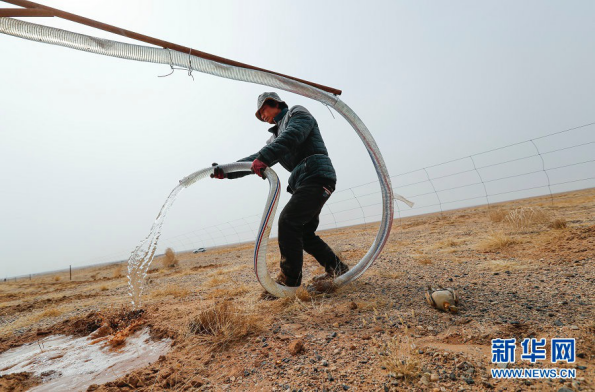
<point x="91" y="146"/>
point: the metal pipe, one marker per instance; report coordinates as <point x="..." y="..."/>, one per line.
<point x="21" y="13"/>
<point x="155" y="41"/>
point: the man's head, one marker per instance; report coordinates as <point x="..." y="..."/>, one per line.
<point x="269" y="105"/>
<point x="269" y="111"/>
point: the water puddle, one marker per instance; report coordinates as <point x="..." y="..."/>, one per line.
<point x="65" y="363"/>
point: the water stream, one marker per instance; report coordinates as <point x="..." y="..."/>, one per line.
<point x="142" y="256"/>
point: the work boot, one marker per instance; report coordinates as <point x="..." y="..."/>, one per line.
<point x="331" y="273"/>
<point x="280" y="279"/>
<point x="325" y="283"/>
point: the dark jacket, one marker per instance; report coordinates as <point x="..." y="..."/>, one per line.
<point x="296" y="143"/>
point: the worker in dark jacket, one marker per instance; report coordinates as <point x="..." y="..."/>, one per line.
<point x="297" y="145"/>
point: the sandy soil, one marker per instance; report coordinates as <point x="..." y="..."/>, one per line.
<point x="533" y="279"/>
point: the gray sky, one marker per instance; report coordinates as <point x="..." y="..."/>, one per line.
<point x="91" y="146"/>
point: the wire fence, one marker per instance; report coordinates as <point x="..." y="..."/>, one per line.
<point x="547" y="165"/>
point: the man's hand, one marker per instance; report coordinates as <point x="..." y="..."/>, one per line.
<point x="218" y="172"/>
<point x="258" y="168"/>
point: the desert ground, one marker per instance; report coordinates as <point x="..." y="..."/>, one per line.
<point x="521" y="269"/>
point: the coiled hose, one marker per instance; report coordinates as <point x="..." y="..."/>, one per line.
<point x="105" y="47"/>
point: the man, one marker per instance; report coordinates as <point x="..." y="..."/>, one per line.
<point x="297" y="145"/>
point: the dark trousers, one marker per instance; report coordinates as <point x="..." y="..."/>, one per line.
<point x="297" y="225"/>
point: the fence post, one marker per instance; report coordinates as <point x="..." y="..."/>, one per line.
<point x="480" y="179"/>
<point x="545" y="171"/>
<point x="434" y="188"/>
<point x="70" y="268"/>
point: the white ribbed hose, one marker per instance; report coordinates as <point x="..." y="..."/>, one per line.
<point x="266" y="223"/>
<point x="86" y="43"/>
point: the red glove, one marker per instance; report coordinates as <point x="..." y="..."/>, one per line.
<point x="258" y="167"/>
<point x="217" y="172"/>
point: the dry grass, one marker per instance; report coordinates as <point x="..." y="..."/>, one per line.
<point x="376" y="302"/>
<point x="526" y="217"/>
<point x="313" y="312"/>
<point x="449" y="243"/>
<point x="303" y="308"/>
<point x="170" y="260"/>
<point x="118" y="271"/>
<point x="400" y="357"/>
<point x="303" y="295"/>
<point x="497" y="216"/>
<point x="57" y="278"/>
<point x="229" y="293"/>
<point x="496" y="241"/>
<point x="290" y="306"/>
<point x="216" y="281"/>
<point x="26" y="321"/>
<point x="34" y="318"/>
<point x="558" y="224"/>
<point x="321" y="286"/>
<point x="104" y="288"/>
<point x="23" y="321"/>
<point x="173" y="290"/>
<point x="224" y="324"/>
<point x="153" y="270"/>
<point x="231" y="269"/>
<point x="421" y="257"/>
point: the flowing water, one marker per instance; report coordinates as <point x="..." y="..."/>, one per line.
<point x="142" y="256"/>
